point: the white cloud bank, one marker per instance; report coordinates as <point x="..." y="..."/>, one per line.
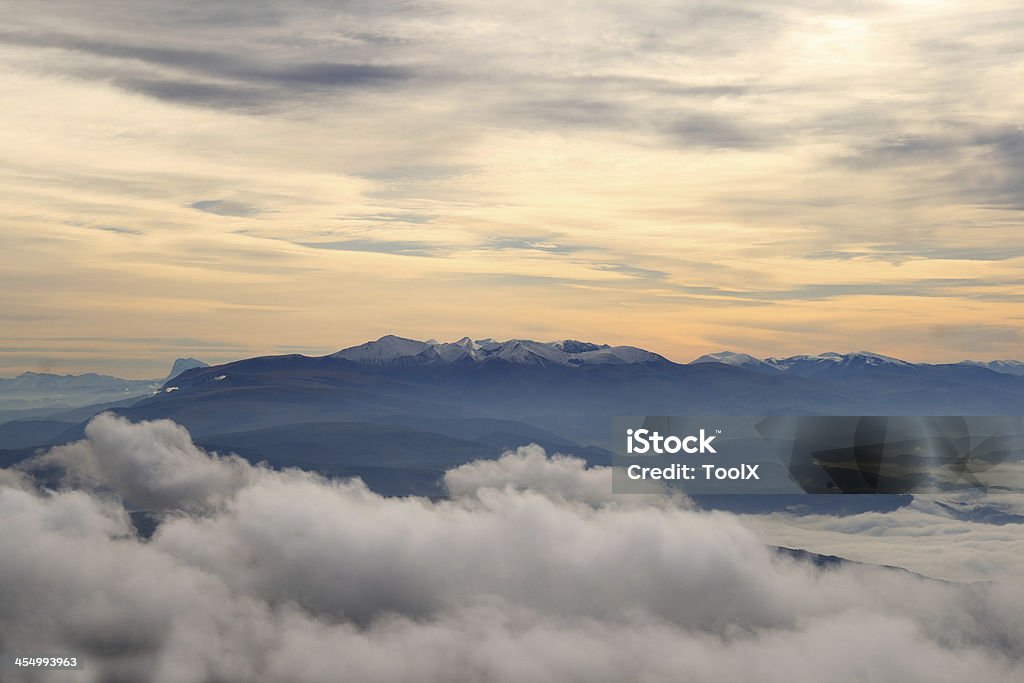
<point x="255" y="575"/>
<point x="926" y="537"/>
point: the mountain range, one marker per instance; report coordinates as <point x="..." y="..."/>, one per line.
<point x="810" y="365"/>
<point x="35" y="394"/>
<point x="392" y="351"/>
<point x="398" y="412"/>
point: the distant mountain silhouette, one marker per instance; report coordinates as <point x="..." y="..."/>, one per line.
<point x="36" y="395"/>
<point x="183" y="364"/>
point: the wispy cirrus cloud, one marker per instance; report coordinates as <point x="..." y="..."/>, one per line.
<point x="226" y="207"/>
<point x="847" y="162"/>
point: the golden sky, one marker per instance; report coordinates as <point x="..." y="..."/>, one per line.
<point x="226" y="179"/>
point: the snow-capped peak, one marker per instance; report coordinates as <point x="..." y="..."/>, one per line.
<point x="740" y="360"/>
<point x="384" y="351"/>
<point x="1006" y="367"/>
<point x="831" y="358"/>
<point x="874" y="359"/>
<point x="392" y="350"/>
<point x="573" y="346"/>
<point x="804" y="364"/>
<point x="869" y="359"/>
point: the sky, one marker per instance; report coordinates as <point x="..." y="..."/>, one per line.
<point x="227" y="179"/>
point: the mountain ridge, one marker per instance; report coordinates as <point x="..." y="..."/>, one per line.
<point x="394" y="350"/>
<point x="809" y="364"/>
<point x="490" y="396"/>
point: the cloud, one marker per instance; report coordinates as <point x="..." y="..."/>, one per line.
<point x="157" y="468"/>
<point x="226" y="207"/>
<point x="985" y="163"/>
<point x="541" y="244"/>
<point x="238" y="67"/>
<point x="712" y="131"/>
<point x="217" y="96"/>
<point x="116" y="229"/>
<point x="781" y="159"/>
<point x="903" y="151"/>
<point x="575" y="112"/>
<point x="957" y="539"/>
<point x="896" y="254"/>
<point x="14" y="479"/>
<point x="293" y="577"/>
<point x="561" y="477"/>
<point x="398" y="247"/>
<point x="393" y="217"/>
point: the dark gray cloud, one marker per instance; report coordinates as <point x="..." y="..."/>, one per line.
<point x="220" y="64"/>
<point x="984" y="164"/>
<point x="266" y="65"/>
<point x="216" y="96"/>
<point x="998" y="178"/>
<point x="531" y="572"/>
<point x="246" y="79"/>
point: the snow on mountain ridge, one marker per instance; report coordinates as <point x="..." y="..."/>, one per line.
<point x="387" y="348"/>
<point x="804" y="363"/>
<point x="833" y="359"/>
<point x="739" y="360"/>
<point x="394" y="350"/>
<point x="1007" y="367"/>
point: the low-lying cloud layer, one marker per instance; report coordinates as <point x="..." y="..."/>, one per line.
<point x="958" y="540"/>
<point x="528" y="573"/>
